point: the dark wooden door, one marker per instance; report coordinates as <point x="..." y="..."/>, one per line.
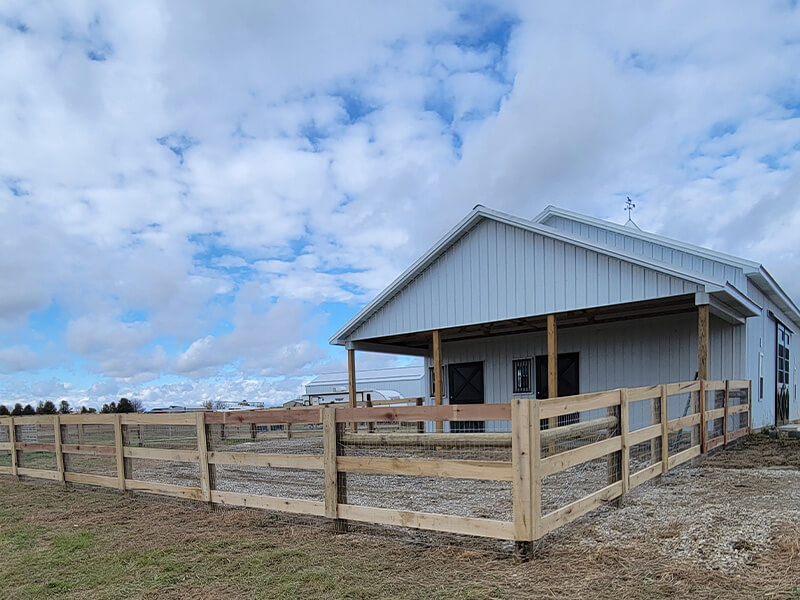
<point x="569" y="383"/>
<point x="782" y="376"/>
<point x="466" y="387"/>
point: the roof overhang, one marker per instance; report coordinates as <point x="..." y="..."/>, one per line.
<point x="728" y="303"/>
<point x="765" y="282"/>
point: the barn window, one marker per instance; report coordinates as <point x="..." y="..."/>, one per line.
<point x="521" y="368"/>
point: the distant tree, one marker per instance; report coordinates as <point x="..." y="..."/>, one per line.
<point x="125" y="406"/>
<point x="87" y="410"/>
<point x="28" y="410"/>
<point x="17" y="410"/>
<point x="46" y="408"/>
<point x="64" y="408"/>
<point x="111" y="407"/>
<point x="4" y="412"/>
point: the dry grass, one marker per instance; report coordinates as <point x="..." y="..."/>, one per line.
<point x="92" y="544"/>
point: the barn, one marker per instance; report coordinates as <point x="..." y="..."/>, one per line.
<point x="564" y="303"/>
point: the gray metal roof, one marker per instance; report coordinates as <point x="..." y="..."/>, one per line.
<point x="366" y="376"/>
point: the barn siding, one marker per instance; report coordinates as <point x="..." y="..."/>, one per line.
<point x="626" y="354"/>
<point x="688" y="261"/>
<point x="497" y="271"/>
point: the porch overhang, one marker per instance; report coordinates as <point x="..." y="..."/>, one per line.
<point x="419" y="343"/>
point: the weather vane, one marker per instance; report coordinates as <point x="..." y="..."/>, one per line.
<point x="629" y="206"/>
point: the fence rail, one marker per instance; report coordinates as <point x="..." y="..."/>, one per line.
<point x="528" y="456"/>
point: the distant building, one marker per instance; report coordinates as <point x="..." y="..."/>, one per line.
<point x="372" y="384"/>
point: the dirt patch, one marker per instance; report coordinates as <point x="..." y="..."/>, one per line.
<point x="758" y="450"/>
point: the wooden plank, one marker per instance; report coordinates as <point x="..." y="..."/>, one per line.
<point x="87" y="479"/>
<point x="397" y="401"/>
<point x="684" y="387"/>
<point x="189" y="418"/>
<point x="456" y="469"/>
<point x="266" y="416"/>
<point x="161" y="454"/>
<point x="59" y="452"/>
<point x="682" y="457"/>
<point x="6" y="470"/>
<point x="306" y="462"/>
<point x="164" y="489"/>
<point x="664" y="431"/>
<point x="5" y="445"/>
<point x="554" y="407"/>
<point x="88" y="419"/>
<point x="716" y="413"/>
<point x="351" y="384"/>
<point x="25" y="447"/>
<point x="735" y="435"/>
<point x="570" y="458"/>
<point x="451" y="440"/>
<point x="503" y="530"/>
<point x="536" y="468"/>
<point x="714" y="443"/>
<point x="447" y="412"/>
<point x="625" y="447"/>
<point x="737" y="408"/>
<point x="202" y="456"/>
<point x="88" y="450"/>
<point x="521" y="469"/>
<point x="119" y="454"/>
<point x="683" y="422"/>
<point x="702" y="341"/>
<point x="437" y="375"/>
<point x="714" y="386"/>
<point x="644" y="393"/>
<point x="12" y="432"/>
<point x="34" y="420"/>
<point x="572" y="511"/>
<point x="739" y="384"/>
<point x="39" y="473"/>
<point x="552" y="367"/>
<point x="330" y="464"/>
<point x="646" y="474"/>
<point x="288" y="505"/>
<point x="644" y="434"/>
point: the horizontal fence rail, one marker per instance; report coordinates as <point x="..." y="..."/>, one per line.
<point x="593" y="432"/>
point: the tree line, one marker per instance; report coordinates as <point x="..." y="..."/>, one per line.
<point x="49" y="408"/>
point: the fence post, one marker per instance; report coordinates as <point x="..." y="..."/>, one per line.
<point x="725" y="422"/>
<point x="420" y="424"/>
<point x="703" y="403"/>
<point x="664" y="430"/>
<point x="12" y="438"/>
<point x="536" y="468"/>
<point x="626" y="457"/>
<point x="121" y="469"/>
<point x="59" y="453"/>
<point x="202" y="451"/>
<point x="335" y="482"/>
<point x="749" y="407"/>
<point x="522" y="473"/>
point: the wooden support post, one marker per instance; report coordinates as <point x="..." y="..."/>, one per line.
<point x="12" y="438"/>
<point x="664" y="431"/>
<point x="552" y="365"/>
<point x="750" y="407"/>
<point x="288" y="428"/>
<point x="202" y="452"/>
<point x="420" y="424"/>
<point x="437" y="374"/>
<point x="253" y="432"/>
<point x="624" y="427"/>
<point x="654" y="419"/>
<point x="521" y="487"/>
<point x="122" y="465"/>
<point x="726" y="399"/>
<point x="59" y="453"/>
<point x="702" y="341"/>
<point x="351" y="383"/>
<point x="335" y="481"/>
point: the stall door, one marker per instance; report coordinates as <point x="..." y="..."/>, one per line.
<point x="568" y="381"/>
<point x="782" y="376"/>
<point x="466" y="387"/>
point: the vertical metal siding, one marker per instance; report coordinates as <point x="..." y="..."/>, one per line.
<point x="498" y="271"/>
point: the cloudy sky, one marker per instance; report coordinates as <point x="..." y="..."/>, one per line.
<point x="195" y="194"/>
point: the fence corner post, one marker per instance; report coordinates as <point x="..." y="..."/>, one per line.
<point x="335" y="482"/>
<point x="624" y="426"/>
<point x="521" y="487"/>
<point x="202" y="453"/>
<point x="120" y="453"/>
<point x="664" y="430"/>
<point x="59" y="452"/>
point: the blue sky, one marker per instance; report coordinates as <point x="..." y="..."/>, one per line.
<point x="195" y="195"/>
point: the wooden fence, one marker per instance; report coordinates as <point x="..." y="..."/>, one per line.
<point x="716" y="413"/>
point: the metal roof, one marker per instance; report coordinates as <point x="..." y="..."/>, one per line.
<point x="365" y="376"/>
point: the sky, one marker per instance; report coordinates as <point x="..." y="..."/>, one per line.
<point x="194" y="195"/>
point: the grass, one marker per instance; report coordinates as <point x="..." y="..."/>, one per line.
<point x="92" y="544"/>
